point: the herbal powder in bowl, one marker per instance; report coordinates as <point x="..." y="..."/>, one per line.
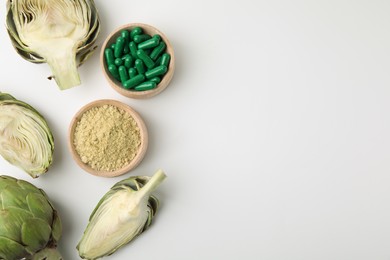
<point x="107" y="138"/>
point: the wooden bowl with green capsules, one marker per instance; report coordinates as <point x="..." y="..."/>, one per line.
<point x="137" y="60"/>
<point x="107" y="138"/>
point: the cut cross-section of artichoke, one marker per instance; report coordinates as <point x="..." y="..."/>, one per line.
<point x="25" y="137"/>
<point x="121" y="215"/>
<point x="60" y="33"/>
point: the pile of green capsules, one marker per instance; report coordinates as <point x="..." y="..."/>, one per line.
<point x="138" y="60"/>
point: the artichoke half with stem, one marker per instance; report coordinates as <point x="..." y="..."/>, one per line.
<point x="30" y="227"/>
<point x="121" y="215"/>
<point x="26" y="140"/>
<point x="61" y="33"/>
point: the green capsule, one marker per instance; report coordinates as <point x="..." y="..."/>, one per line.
<point x="126" y="49"/>
<point x="165" y="58"/>
<point x="157" y="36"/>
<point x="156" y="80"/>
<point x="113" y="46"/>
<point x="125" y="56"/>
<point x="141" y="38"/>
<point x="114" y="71"/>
<point x="128" y="61"/>
<point x="133" y="49"/>
<point x="145" y="58"/>
<point x="123" y="75"/>
<point x="158" y="50"/>
<point x="151" y="43"/>
<point x="139" y="65"/>
<point x="118" y="62"/>
<point x="157" y="71"/>
<point x="135" y="31"/>
<point x="125" y="34"/>
<point x="119" y="46"/>
<point x="132" y="72"/>
<point x="109" y="54"/>
<point x="131" y="83"/>
<point x="158" y="61"/>
<point x="145" y="86"/>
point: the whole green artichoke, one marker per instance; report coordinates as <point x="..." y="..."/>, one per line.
<point x="29" y="225"/>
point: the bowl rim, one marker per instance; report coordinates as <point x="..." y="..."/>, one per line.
<point x="133" y="113"/>
<point x="116" y="85"/>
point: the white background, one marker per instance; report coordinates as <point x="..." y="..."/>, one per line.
<point x="274" y="132"/>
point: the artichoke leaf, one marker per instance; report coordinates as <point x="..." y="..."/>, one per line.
<point x="35" y="232"/>
<point x="9" y="249"/>
<point x="5" y="182"/>
<point x="56" y="227"/>
<point x="28" y="188"/>
<point x="11" y="219"/>
<point x="38" y="206"/>
<point x="13" y="196"/>
<point x="47" y="254"/>
<point x="6" y="96"/>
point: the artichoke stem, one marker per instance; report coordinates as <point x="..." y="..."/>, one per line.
<point x="48" y="254"/>
<point x="152" y="184"/>
<point x="64" y="69"/>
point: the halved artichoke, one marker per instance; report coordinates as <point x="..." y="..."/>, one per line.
<point x="121" y="215"/>
<point x="60" y="33"/>
<point x="25" y="137"/>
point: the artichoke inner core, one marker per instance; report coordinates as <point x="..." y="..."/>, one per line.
<point x="54" y="30"/>
<point x="121" y="217"/>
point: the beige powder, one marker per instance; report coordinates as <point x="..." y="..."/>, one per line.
<point x="107" y="138"/>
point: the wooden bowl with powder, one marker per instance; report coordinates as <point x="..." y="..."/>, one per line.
<point x="107" y="138"/>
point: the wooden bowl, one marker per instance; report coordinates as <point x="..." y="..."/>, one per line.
<point x="117" y="85"/>
<point x="143" y="138"/>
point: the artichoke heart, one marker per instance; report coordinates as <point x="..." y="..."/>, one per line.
<point x="60" y="33"/>
<point x="29" y="225"/>
<point x="122" y="214"/>
<point x="25" y="137"/>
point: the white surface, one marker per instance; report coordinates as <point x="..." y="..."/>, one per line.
<point x="274" y="132"/>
